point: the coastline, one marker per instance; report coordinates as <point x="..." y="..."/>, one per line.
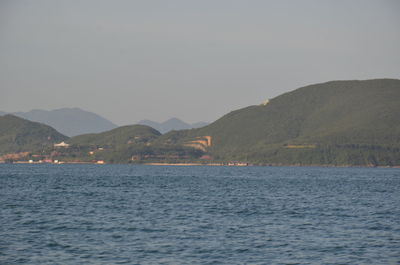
<point x="226" y="164"/>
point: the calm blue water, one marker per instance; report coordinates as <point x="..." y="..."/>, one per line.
<point x="115" y="214"/>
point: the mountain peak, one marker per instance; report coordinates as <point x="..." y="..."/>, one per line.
<point x="173" y="119"/>
<point x="172" y="124"/>
<point x="69" y="121"/>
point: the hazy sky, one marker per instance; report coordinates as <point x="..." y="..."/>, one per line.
<point x="195" y="60"/>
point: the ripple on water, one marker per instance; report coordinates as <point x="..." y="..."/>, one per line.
<point x="121" y="214"/>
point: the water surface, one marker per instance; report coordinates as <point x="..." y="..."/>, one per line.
<point x="116" y="214"/>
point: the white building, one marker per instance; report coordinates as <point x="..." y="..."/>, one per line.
<point x="62" y="144"/>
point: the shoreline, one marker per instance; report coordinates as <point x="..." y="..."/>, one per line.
<point x="229" y="164"/>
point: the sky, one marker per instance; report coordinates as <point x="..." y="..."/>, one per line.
<point x="194" y="60"/>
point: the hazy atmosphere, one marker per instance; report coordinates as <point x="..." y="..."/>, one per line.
<point x="195" y="60"/>
<point x="163" y="132"/>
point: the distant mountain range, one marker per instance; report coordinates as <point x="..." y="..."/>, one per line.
<point x="68" y="121"/>
<point x="340" y="123"/>
<point x="171" y="125"/>
<point x="75" y="121"/>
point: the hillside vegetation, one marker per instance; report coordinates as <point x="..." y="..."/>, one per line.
<point x="338" y="122"/>
<point x="20" y="135"/>
<point x="334" y="123"/>
<point x="134" y="143"/>
<point x="118" y="137"/>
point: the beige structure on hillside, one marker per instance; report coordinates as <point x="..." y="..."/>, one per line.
<point x="201" y="143"/>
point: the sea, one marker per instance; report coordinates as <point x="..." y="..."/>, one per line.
<point x="138" y="214"/>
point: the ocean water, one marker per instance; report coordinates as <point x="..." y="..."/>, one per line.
<point x="124" y="214"/>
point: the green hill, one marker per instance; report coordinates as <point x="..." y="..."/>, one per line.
<point x="20" y="135"/>
<point x="336" y="123"/>
<point x="134" y="143"/>
<point x="121" y="136"/>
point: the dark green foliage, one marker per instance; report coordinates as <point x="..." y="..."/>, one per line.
<point x="358" y="113"/>
<point x="20" y="135"/>
<point x="335" y="123"/>
<point x="145" y="153"/>
<point x="135" y="143"/>
<point x="118" y="137"/>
